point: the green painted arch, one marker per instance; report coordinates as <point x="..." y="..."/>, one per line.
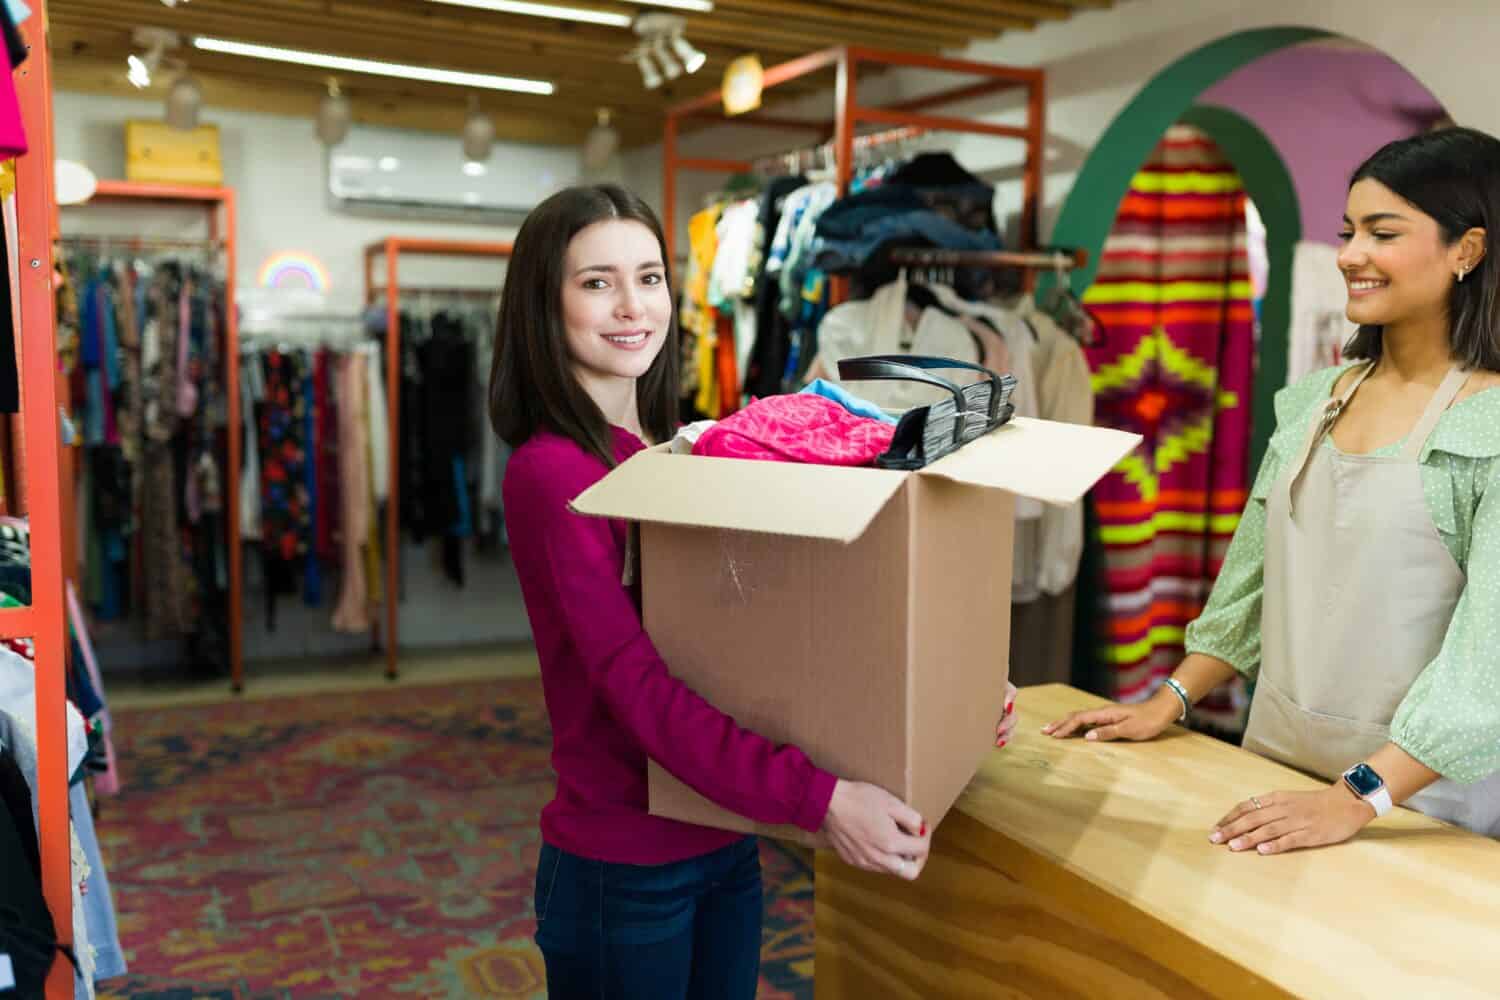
<point x="1090" y="209"/>
<point x="1269" y="184"/>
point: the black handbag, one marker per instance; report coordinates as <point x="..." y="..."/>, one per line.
<point x="927" y="433"/>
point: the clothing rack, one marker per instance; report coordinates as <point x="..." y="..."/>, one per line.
<point x="45" y="620"/>
<point x="392" y="249"/>
<point x="849" y="115"/>
<point x="1036" y="260"/>
<point x="793" y="161"/>
<point x="219" y="204"/>
<point x="139" y="244"/>
<point x="1057" y="261"/>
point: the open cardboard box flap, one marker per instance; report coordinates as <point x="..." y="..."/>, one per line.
<point x="1048" y="461"/>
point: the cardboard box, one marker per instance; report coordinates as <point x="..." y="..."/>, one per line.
<point x="861" y="614"/>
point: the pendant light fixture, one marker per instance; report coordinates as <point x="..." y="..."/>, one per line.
<point x="334" y="116"/>
<point x="479" y="134"/>
<point x="184" y="102"/>
<point x="600" y="144"/>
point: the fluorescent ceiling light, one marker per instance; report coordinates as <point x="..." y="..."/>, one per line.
<point x="389" y="164"/>
<point x="344" y="64"/>
<point x="546" y="10"/>
<point x="702" y="5"/>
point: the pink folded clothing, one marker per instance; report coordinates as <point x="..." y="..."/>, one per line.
<point x="797" y="428"/>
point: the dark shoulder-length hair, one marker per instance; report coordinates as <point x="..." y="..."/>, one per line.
<point x="532" y="383"/>
<point x="1453" y="175"/>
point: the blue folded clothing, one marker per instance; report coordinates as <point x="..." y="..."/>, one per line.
<point x="849" y="401"/>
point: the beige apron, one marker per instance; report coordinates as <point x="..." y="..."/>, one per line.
<point x="1359" y="591"/>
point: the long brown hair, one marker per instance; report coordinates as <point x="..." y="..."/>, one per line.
<point x="532" y="384"/>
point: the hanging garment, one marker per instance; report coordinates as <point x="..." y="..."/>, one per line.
<point x="804" y="428"/>
<point x="284" y="511"/>
<point x="1319" y="328"/>
<point x="878" y="325"/>
<point x="326" y="459"/>
<point x="768" y="354"/>
<point x="18" y="735"/>
<point x="12" y="130"/>
<point x="312" y="569"/>
<point x="106" y="782"/>
<point x="250" y="526"/>
<point x="412" y="427"/>
<point x="379" y="421"/>
<point x="1064" y="394"/>
<point x="1173" y="293"/>
<point x="353" y="611"/>
<point x="447" y="360"/>
<point x="1348" y="627"/>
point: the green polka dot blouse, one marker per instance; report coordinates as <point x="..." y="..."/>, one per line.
<point x="1450" y="719"/>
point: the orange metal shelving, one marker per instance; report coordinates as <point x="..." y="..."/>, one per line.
<point x="393" y="250"/>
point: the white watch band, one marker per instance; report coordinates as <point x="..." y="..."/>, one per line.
<point x="1380" y="799"/>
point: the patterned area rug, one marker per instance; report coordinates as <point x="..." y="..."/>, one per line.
<point x="373" y="845"/>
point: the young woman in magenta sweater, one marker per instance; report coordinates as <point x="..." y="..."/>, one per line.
<point x="629" y="904"/>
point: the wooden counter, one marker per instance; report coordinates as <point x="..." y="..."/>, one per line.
<point x="1072" y="869"/>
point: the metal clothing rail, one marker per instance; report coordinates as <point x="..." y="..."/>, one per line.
<point x="849" y="115"/>
<point x="142" y="243"/>
<point x="392" y="250"/>
<point x="44" y="620"/>
<point x="1036" y="260"/>
<point x="220" y="205"/>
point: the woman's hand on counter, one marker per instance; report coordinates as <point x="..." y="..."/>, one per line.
<point x="872" y="829"/>
<point x="1278" y="822"/>
<point x="1144" y="721"/>
<point x="1007" y="718"/>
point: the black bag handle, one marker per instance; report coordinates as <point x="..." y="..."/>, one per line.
<point x="914" y="368"/>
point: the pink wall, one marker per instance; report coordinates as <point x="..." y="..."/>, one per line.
<point x="1326" y="109"/>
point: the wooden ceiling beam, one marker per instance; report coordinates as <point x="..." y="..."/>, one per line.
<point x="751" y="34"/>
<point x="620" y="81"/>
<point x="976" y="23"/>
<point x="804" y="17"/>
<point x="284" y="98"/>
<point x="1035" y="10"/>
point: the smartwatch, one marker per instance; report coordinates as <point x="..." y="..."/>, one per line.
<point x="1369" y="786"/>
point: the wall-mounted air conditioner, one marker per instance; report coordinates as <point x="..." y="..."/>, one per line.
<point x="407" y="174"/>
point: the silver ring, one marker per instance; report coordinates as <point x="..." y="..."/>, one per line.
<point x="901" y="866"/>
<point x="1255" y="801"/>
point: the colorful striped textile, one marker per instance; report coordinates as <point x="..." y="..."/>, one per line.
<point x="1175" y="365"/>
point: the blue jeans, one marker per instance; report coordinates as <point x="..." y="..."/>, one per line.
<point x="683" y="931"/>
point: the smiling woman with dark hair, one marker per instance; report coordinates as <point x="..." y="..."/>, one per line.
<point x="1362" y="589"/>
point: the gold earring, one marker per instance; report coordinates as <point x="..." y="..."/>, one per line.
<point x="1462" y="270"/>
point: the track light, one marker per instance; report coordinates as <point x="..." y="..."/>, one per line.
<point x="649" y="75"/>
<point x="692" y="59"/>
<point x="662" y="38"/>
<point x="155" y="42"/>
<point x="664" y="59"/>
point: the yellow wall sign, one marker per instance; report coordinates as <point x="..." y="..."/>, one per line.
<point x="743" y="79"/>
